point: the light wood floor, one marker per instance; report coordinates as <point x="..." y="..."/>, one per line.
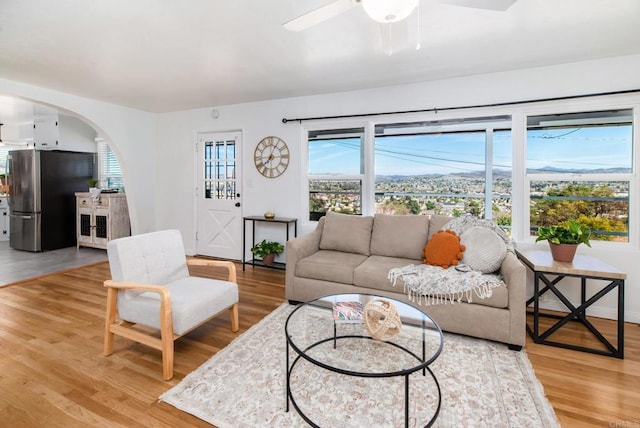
<point x="53" y="374"/>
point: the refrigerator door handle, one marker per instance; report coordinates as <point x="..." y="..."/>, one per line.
<point x="7" y="170"/>
<point x="24" y="217"/>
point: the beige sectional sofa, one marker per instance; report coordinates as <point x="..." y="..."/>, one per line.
<point x="353" y="254"/>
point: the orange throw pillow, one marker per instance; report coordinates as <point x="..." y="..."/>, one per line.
<point x="443" y="249"/>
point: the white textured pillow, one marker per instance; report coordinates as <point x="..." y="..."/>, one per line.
<point x="485" y="250"/>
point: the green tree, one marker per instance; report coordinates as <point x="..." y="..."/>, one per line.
<point x="598" y="215"/>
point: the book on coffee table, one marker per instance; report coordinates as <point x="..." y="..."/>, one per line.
<point x="348" y="312"/>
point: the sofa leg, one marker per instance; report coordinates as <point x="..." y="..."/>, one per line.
<point x="294" y="302"/>
<point x="515" y="347"/>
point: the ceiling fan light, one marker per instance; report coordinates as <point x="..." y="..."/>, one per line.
<point x="387" y="11"/>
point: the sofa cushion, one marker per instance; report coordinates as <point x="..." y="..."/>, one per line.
<point x="348" y="233"/>
<point x="443" y="249"/>
<point x="373" y="272"/>
<point x="466" y="221"/>
<point x="485" y="250"/>
<point x="436" y="222"/>
<point x="326" y="265"/>
<point x="399" y="235"/>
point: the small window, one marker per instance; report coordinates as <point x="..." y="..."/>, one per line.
<point x="335" y="171"/>
<point x="109" y="172"/>
<point x="579" y="167"/>
<point x="580" y="143"/>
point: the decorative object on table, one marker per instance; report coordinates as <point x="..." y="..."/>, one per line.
<point x="271" y="157"/>
<point x="269" y="215"/>
<point x="348" y="312"/>
<point x="93" y="188"/>
<point x="564" y="240"/>
<point x="443" y="249"/>
<point x="267" y="251"/>
<point x="382" y="319"/>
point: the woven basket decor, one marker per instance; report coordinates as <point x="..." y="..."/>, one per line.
<point x="382" y="319"/>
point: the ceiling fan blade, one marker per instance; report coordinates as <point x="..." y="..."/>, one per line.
<point x="500" y="5"/>
<point x="320" y="14"/>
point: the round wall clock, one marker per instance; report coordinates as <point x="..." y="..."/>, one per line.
<point x="271" y="157"/>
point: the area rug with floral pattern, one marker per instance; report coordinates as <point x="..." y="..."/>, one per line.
<point x="483" y="384"/>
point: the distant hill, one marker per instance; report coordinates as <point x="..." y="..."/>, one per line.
<point x="551" y="169"/>
<point x="498" y="173"/>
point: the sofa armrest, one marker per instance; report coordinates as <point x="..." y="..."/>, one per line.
<point x="515" y="276"/>
<point x="299" y="248"/>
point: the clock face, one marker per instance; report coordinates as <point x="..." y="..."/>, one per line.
<point x="271" y="157"/>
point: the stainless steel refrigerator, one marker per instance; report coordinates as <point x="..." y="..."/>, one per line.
<point x="42" y="186"/>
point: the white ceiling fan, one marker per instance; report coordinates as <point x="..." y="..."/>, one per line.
<point x="383" y="11"/>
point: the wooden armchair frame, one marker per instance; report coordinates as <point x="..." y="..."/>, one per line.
<point x="114" y="326"/>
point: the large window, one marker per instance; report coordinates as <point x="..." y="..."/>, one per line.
<point x="579" y="167"/>
<point x="444" y="167"/>
<point x="335" y="171"/>
<point x="440" y="173"/>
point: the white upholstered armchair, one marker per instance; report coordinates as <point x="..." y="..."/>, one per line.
<point x="151" y="286"/>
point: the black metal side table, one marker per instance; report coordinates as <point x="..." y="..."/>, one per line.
<point x="287" y="222"/>
<point x="585" y="268"/>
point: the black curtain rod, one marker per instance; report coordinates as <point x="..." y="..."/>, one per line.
<point x="436" y="109"/>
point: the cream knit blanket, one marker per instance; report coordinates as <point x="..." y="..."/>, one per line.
<point x="431" y="285"/>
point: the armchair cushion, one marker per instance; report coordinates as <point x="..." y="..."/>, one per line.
<point x="193" y="301"/>
<point x="159" y="258"/>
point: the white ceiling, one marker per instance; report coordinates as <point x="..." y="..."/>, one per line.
<point x="168" y="55"/>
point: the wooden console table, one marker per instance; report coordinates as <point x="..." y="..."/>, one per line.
<point x="253" y="219"/>
<point x="585" y="268"/>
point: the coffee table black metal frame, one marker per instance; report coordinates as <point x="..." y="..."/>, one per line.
<point x="423" y="362"/>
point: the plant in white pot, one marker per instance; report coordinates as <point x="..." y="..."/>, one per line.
<point x="93" y="188"/>
<point x="267" y="251"/>
<point x="564" y="240"/>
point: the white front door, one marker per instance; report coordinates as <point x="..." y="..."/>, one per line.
<point x="218" y="193"/>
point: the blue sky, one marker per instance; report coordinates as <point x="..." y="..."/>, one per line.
<point x="574" y="148"/>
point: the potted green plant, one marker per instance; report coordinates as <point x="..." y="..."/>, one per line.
<point x="267" y="251"/>
<point x="92" y="182"/>
<point x="564" y="240"/>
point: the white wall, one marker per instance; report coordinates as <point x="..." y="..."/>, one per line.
<point x="131" y="134"/>
<point x="157" y="152"/>
<point x="175" y="203"/>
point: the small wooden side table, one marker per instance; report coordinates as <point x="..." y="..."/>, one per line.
<point x="585" y="268"/>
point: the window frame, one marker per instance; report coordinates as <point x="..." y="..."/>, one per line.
<point x="487" y="122"/>
<point x="520" y="185"/>
<point x="103" y="151"/>
<point x="332" y="126"/>
<point x="616" y="102"/>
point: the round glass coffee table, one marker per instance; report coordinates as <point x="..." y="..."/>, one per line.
<point x="337" y="366"/>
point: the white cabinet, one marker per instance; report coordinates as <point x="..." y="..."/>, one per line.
<point x="63" y="133"/>
<point x="4" y="219"/>
<point x="45" y="133"/>
<point x="98" y="222"/>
